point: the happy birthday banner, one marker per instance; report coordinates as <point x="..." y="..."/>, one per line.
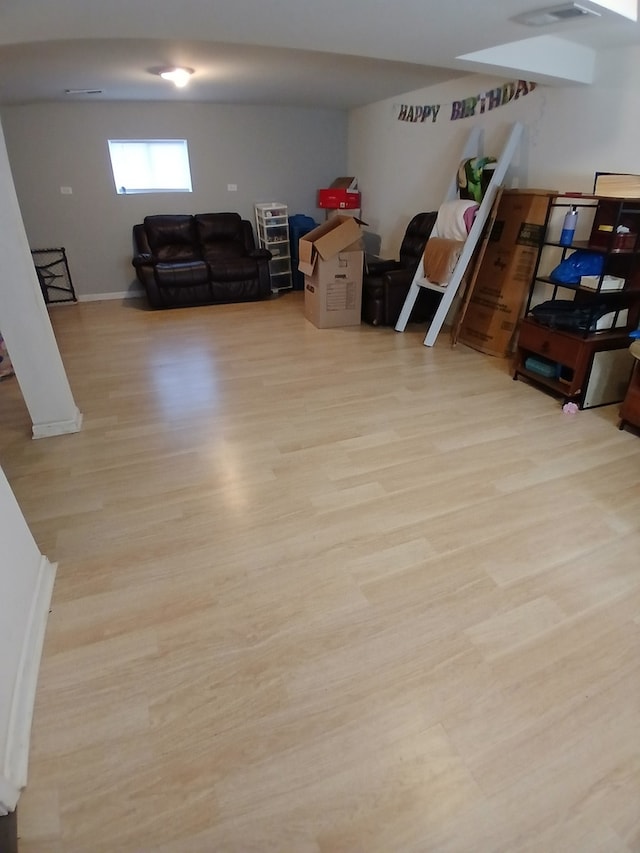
<point x="468" y="107"/>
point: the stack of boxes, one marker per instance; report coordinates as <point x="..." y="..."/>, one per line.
<point x="331" y="259"/>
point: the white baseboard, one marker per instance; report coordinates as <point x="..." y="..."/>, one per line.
<point x="13" y="775"/>
<point x="58" y="427"/>
<point x="99" y="297"/>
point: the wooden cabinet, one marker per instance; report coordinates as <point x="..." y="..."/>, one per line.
<point x="588" y="364"/>
<point x="576" y="363"/>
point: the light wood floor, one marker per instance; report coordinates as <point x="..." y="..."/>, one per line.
<point x="326" y="592"/>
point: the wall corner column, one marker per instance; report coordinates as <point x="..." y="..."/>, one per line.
<point x="25" y="323"/>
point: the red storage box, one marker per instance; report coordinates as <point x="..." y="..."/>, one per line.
<point x="335" y="198"/>
<point x="607" y="218"/>
<point x="341" y="195"/>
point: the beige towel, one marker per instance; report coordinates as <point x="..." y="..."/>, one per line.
<point x="455" y="219"/>
<point x="440" y="259"/>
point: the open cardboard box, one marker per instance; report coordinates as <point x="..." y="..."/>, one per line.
<point x="337" y="234"/>
<point x="331" y="258"/>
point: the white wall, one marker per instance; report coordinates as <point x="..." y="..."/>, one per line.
<point x="570" y="133"/>
<point x="271" y="153"/>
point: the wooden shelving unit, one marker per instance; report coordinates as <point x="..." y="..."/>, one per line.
<point x="591" y="365"/>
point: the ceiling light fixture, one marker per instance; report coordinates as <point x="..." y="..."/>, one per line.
<point x="83" y="91"/>
<point x="177" y="75"/>
<point x="555" y="15"/>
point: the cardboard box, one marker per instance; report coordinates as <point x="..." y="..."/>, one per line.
<point x="331" y="258"/>
<point x="333" y="294"/>
<point x="337" y="234"/>
<point x="615" y="185"/>
<point x="612" y="320"/>
<point x="341" y="195"/>
<point x="609" y="282"/>
<point x="497" y="302"/>
<point x="608" y="378"/>
<point x="338" y="199"/>
<point x="354" y="211"/>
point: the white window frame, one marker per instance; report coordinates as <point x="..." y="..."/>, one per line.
<point x="144" y="166"/>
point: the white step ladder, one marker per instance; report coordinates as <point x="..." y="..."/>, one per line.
<point x="449" y="290"/>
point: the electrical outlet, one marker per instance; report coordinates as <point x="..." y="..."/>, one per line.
<point x="66" y="190"/>
<point x="232" y="188"/>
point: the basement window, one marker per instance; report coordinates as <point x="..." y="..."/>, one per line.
<point x="150" y="166"/>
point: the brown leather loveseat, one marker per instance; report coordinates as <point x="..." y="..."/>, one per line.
<point x="194" y="260"/>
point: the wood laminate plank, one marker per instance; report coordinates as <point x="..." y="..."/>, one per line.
<point x="326" y="591"/>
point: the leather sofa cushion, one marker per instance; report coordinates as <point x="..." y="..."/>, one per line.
<point x="181" y="274"/>
<point x="235" y="291"/>
<point x="172" y="237"/>
<point x="232" y="269"/>
<point x="220" y="234"/>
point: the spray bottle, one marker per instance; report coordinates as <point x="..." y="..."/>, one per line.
<point x="569" y="227"/>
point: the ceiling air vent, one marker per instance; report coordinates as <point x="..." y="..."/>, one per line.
<point x="555" y="15"/>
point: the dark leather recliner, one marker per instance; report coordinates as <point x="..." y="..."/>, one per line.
<point x="386" y="283"/>
<point x="193" y="260"/>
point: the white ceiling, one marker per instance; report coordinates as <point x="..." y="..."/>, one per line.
<point x="334" y="53"/>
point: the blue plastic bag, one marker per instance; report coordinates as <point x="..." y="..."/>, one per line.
<point x="576" y="265"/>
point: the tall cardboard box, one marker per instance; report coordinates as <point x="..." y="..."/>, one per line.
<point x="499" y="294"/>
<point x="331" y="258"/>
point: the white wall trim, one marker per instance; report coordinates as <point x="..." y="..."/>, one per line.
<point x="14" y="773"/>
<point x="98" y="297"/>
<point x="58" y="427"/>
